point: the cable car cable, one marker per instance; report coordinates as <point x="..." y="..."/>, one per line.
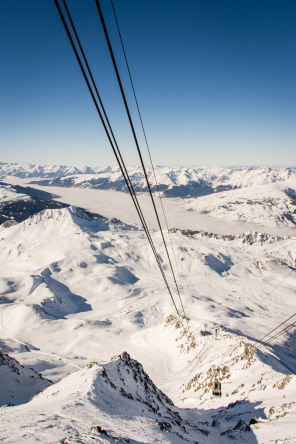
<point x="101" y="103"/>
<point x="276" y="335"/>
<point x="260" y="340"/>
<point x="136" y="141"/>
<point x="147" y="145"/>
<point x="141" y="218"/>
<point x="275" y="288"/>
<point x="288" y="327"/>
<point x="115" y="153"/>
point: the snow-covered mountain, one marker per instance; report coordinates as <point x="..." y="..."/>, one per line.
<point x="33" y="170"/>
<point x="173" y="181"/>
<point x="268" y="205"/>
<point x="77" y="289"/>
<point x="178" y="181"/>
<point x="116" y="402"/>
<point x="263" y="196"/>
<point x="18" y="203"/>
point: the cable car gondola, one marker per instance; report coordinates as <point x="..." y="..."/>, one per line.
<point x="216" y="384"/>
<point x="216" y="389"/>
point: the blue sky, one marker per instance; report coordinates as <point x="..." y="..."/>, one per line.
<point x="215" y="81"/>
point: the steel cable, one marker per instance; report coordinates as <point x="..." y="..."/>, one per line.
<point x="277" y="286"/>
<point x="149" y="153"/>
<point x="136" y="141"/>
<point x="117" y="154"/>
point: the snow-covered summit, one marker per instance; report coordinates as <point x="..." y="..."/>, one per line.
<point x="118" y="402"/>
<point x="272" y="204"/>
<point x="71" y="219"/>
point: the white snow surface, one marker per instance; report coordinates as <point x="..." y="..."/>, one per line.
<point x="265" y="205"/>
<point x="7" y="195"/>
<point x="76" y="290"/>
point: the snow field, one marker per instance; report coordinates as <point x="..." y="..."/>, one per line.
<point x="265" y="205"/>
<point x="76" y="290"/>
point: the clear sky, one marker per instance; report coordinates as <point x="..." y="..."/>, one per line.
<point x="215" y="79"/>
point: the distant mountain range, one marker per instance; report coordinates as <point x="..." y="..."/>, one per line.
<point x="33" y="170"/>
<point x="172" y="181"/>
<point x="265" y="196"/>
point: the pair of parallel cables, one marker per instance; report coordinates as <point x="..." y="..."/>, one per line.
<point x="279" y="333"/>
<point x="112" y="140"/>
<point x="267" y="339"/>
<point x="288" y="327"/>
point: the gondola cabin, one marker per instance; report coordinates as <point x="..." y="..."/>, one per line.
<point x="216" y="389"/>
